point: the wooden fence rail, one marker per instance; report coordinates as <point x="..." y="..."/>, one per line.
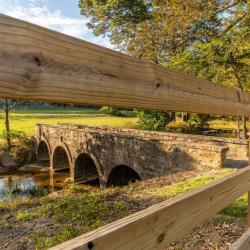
<point x="243" y="243"/>
<point x="158" y="226"/>
<point x="42" y="65"/>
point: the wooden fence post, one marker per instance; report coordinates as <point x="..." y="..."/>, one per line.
<point x="248" y="210"/>
<point x="248" y="194"/>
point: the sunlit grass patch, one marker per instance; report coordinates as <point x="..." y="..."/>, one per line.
<point x="24" y="215"/>
<point x="76" y="214"/>
<point x="26" y="120"/>
<point x="238" y="209"/>
<point x="187" y="185"/>
<point x="44" y="239"/>
<point x="223" y="124"/>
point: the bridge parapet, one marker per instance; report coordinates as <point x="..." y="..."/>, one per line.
<point x="237" y="148"/>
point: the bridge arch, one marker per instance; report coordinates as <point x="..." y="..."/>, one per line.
<point x="43" y="153"/>
<point x="86" y="169"/>
<point x="61" y="159"/>
<point x="122" y="175"/>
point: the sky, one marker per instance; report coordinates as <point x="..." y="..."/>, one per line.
<point x="60" y="15"/>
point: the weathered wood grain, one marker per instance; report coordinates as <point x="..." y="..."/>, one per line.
<point x="248" y="209"/>
<point x="243" y="243"/>
<point x="160" y="225"/>
<point x="43" y="65"/>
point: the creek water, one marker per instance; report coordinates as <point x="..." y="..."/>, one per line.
<point x="27" y="184"/>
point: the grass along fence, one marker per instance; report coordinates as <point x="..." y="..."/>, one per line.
<point x="43" y="65"/>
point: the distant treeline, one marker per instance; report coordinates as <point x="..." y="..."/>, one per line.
<point x="27" y="104"/>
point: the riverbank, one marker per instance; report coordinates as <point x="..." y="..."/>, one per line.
<point x="20" y="184"/>
<point x="41" y="222"/>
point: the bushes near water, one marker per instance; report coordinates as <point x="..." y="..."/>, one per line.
<point x="22" y="148"/>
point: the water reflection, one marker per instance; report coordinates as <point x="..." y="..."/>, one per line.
<point x="21" y="185"/>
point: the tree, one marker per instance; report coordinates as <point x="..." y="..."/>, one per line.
<point x="156" y="30"/>
<point x="6" y="106"/>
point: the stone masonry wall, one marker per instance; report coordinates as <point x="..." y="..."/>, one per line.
<point x="237" y="148"/>
<point x="150" y="154"/>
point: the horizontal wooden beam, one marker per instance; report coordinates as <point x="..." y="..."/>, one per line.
<point x="43" y="65"/>
<point x="243" y="243"/>
<point x="158" y="226"/>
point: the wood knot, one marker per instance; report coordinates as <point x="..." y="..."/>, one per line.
<point x="161" y="237"/>
<point x="158" y="85"/>
<point x="90" y="245"/>
<point x="37" y="60"/>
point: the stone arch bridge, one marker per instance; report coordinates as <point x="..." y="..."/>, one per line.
<point x="118" y="156"/>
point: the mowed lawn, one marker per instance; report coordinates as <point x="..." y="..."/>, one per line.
<point x="25" y="120"/>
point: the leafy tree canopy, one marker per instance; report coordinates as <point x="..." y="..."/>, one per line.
<point x="158" y="29"/>
<point x="224" y="60"/>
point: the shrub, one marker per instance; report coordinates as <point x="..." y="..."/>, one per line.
<point x="153" y="120"/>
<point x="14" y="135"/>
<point x="199" y="121"/>
<point x="22" y="149"/>
<point x="111" y="111"/>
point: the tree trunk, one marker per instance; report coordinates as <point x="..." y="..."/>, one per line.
<point x="7" y="123"/>
<point x="238" y="127"/>
<point x="244" y="128"/>
<point x="182" y="117"/>
<point x="173" y="116"/>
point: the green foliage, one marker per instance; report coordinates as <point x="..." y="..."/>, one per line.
<point x="182" y="187"/>
<point x="224" y="60"/>
<point x="120" y="205"/>
<point x="14" y="135"/>
<point x="23" y="152"/>
<point x="156" y="30"/>
<point x="43" y="241"/>
<point x="23" y="148"/>
<point x="199" y="121"/>
<point x="153" y="120"/>
<point x="238" y="209"/>
<point x="24" y="216"/>
<point x="73" y="214"/>
<point x="111" y="111"/>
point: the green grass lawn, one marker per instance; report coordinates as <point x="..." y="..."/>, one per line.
<point x="213" y="124"/>
<point x="25" y="120"/>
